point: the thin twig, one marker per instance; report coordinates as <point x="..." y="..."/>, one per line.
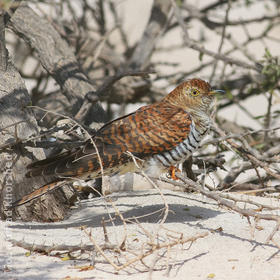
<point x="194" y="45"/>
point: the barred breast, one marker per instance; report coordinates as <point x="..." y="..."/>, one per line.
<point x="183" y="150"/>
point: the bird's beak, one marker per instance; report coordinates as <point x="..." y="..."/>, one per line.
<point x="215" y="91"/>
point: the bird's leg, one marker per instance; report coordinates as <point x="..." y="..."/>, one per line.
<point x="172" y="170"/>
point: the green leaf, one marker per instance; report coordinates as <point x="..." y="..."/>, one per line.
<point x="27" y="254"/>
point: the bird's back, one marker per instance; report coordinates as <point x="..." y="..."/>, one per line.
<point x="148" y="131"/>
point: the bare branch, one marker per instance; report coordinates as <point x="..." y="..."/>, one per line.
<point x="56" y="57"/>
<point x="194" y="45"/>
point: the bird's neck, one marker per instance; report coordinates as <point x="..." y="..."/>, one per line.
<point x="201" y="120"/>
<point x="200" y="115"/>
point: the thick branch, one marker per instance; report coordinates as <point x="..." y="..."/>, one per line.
<point x="57" y="58"/>
<point x="156" y="25"/>
<point x="3" y="50"/>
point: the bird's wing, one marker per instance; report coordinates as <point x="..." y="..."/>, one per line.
<point x="150" y="130"/>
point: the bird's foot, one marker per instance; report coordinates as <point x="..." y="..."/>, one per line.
<point x="172" y="171"/>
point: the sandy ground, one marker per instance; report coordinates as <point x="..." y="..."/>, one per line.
<point x="230" y="250"/>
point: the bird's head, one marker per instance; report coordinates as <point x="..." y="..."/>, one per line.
<point x="194" y="96"/>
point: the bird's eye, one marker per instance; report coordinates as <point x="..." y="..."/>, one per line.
<point x="195" y="92"/>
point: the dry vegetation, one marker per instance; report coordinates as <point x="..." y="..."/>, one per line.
<point x="79" y="63"/>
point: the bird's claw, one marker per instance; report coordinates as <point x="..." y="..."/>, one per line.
<point x="172" y="171"/>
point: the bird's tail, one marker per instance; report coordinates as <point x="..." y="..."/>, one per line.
<point x="39" y="192"/>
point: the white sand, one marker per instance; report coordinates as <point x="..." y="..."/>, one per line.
<point x="233" y="253"/>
